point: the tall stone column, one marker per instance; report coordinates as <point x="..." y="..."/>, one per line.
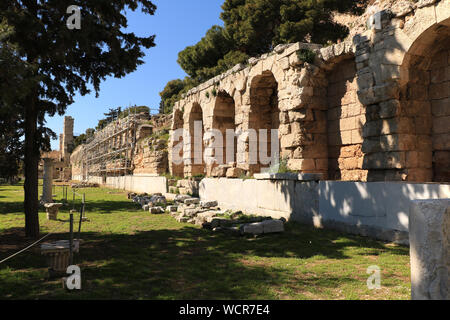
<point x="47" y="193"/>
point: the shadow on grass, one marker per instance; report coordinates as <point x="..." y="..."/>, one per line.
<point x="11" y="207"/>
<point x="188" y="263"/>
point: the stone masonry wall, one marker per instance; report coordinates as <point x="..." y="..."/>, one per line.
<point x="141" y="148"/>
<point x="374" y="107"/>
<point x="346" y="118"/>
<point x="440" y="110"/>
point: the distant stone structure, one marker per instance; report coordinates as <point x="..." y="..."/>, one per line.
<point x="136" y="144"/>
<point x="61" y="158"/>
<point x="68" y="140"/>
<point x="375" y="107"/>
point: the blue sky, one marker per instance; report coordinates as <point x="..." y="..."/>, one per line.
<point x="176" y="24"/>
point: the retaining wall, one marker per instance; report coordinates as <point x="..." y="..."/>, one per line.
<point x="376" y="209"/>
<point x="134" y="183"/>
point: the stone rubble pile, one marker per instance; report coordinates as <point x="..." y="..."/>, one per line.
<point x="208" y="215"/>
<point x="187" y="209"/>
<point x="152" y="203"/>
<point x="84" y="184"/>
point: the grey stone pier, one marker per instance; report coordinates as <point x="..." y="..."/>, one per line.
<point x="47" y="193"/>
<point x="429" y="237"/>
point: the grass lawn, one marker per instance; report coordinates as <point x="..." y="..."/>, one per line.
<point x="129" y="254"/>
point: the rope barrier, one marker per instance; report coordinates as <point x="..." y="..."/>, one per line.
<point x="33" y="244"/>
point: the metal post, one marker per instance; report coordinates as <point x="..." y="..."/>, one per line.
<point x="79" y="223"/>
<point x="71" y="240"/>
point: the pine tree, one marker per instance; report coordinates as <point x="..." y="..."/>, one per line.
<point x="62" y="61"/>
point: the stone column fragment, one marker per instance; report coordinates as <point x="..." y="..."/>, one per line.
<point x="429" y="237"/>
<point x="47" y="192"/>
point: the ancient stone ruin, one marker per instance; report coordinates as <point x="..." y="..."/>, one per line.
<point x="362" y="129"/>
<point x="374" y="107"/>
<point x="60" y="159"/>
<point x="136" y="144"/>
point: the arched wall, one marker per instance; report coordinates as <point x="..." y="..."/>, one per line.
<point x="397" y="144"/>
<point x="383" y="141"/>
<point x="194" y="130"/>
<point x="425" y="102"/>
<point x="263" y="116"/>
<point x="176" y="169"/>
<point x="223" y="120"/>
<point x="345" y="120"/>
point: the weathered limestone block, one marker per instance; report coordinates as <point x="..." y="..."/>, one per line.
<point x="208" y="204"/>
<point x="422" y="20"/>
<point x="220" y="171"/>
<point x="156" y="210"/>
<point x="402" y="8"/>
<point x="272" y="226"/>
<point x="171" y="209"/>
<point x="235" y="172"/>
<point x="429" y="237"/>
<point x="443" y="11"/>
<point x="385" y="160"/>
<point x="52" y="210"/>
<point x="301" y="164"/>
<point x="253" y="228"/>
<point x="192" y="201"/>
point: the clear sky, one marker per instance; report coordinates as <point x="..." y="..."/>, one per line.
<point x="176" y="24"/>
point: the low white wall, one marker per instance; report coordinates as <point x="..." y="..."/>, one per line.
<point x="280" y="198"/>
<point x="375" y="209"/>
<point x="133" y="183"/>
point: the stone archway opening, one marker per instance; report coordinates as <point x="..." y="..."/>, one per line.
<point x="194" y="147"/>
<point x="177" y="168"/>
<point x="425" y="103"/>
<point x="223" y="120"/>
<point x="263" y="117"/>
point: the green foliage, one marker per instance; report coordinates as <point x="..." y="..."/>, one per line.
<point x="84" y="137"/>
<point x="306" y="55"/>
<point x="254" y="27"/>
<point x="172" y="92"/>
<point x="257" y="26"/>
<point x="134" y="110"/>
<point x="300" y="263"/>
<point x="284" y="166"/>
<point x="197" y="59"/>
<point x="61" y="63"/>
<point x="214" y="92"/>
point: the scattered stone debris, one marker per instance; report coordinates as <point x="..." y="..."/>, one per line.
<point x="81" y="185"/>
<point x="156" y="210"/>
<point x="153" y="203"/>
<point x="208" y="215"/>
<point x="172" y="208"/>
<point x="187" y="209"/>
<point x="192" y="201"/>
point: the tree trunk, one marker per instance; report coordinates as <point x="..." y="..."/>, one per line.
<point x="32" y="156"/>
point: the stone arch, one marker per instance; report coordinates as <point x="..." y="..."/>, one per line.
<point x="345" y="121"/>
<point x="263" y="115"/>
<point x="176" y="169"/>
<point x="194" y="163"/>
<point x="425" y="105"/>
<point x="223" y="119"/>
